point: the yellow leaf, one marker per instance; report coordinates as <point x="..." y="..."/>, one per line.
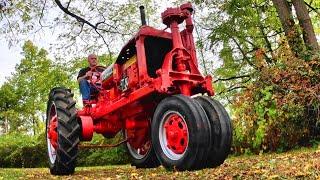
<point x="307" y="167"/>
<point x="134" y="175"/>
<point x="273" y="177"/>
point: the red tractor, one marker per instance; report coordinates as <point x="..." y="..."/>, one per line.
<point x="155" y="94"/>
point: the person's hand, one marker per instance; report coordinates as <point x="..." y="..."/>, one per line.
<point x="89" y="74"/>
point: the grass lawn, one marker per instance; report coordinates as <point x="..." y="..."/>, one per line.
<point x="302" y="164"/>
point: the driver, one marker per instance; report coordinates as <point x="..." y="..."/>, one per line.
<point x="88" y="77"/>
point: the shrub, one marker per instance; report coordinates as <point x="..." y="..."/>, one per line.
<point x="17" y="150"/>
<point x="280" y="108"/>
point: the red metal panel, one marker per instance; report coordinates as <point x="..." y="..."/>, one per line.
<point x="150" y="31"/>
<point x="102" y="108"/>
<point x="141" y="57"/>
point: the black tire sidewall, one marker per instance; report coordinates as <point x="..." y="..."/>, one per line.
<point x="222" y="139"/>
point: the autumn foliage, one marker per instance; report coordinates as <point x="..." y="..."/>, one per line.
<point x="281" y="107"/>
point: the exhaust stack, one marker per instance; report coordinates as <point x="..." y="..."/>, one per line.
<point x="142" y="15"/>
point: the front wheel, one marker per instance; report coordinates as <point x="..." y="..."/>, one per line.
<point x="181" y="133"/>
<point x="221" y="130"/>
<point x="62" y="132"/>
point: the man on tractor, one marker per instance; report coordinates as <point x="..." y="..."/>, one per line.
<point x="89" y="79"/>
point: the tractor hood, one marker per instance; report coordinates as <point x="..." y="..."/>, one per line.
<point x="130" y="49"/>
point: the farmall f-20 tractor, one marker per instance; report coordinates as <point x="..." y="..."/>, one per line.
<point x="156" y="96"/>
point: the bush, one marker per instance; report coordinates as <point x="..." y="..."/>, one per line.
<point x="17" y="150"/>
<point x="280" y="108"/>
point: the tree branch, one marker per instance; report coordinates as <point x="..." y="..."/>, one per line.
<point x="243" y="53"/>
<point x="105" y="42"/>
<point x="41" y="15"/>
<point x="201" y="52"/>
<point x="261" y="28"/>
<point x="231" y="78"/>
<point x="10" y="26"/>
<point x="81" y="19"/>
<point x="232" y="88"/>
<point x="312" y="8"/>
<point x="68" y="4"/>
<point x="104" y="21"/>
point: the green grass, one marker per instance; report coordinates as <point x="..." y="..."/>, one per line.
<point x="11" y="173"/>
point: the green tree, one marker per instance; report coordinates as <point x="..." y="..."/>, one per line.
<point x="244" y="35"/>
<point x="8" y="101"/>
<point x="25" y="93"/>
<point x="271" y="92"/>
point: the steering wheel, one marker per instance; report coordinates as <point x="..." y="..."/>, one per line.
<point x="95" y="78"/>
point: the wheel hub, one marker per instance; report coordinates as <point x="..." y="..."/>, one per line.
<point x="52" y="131"/>
<point x="139" y="143"/>
<point x="176" y="134"/>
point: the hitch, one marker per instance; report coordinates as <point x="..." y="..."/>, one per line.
<point x="101" y="146"/>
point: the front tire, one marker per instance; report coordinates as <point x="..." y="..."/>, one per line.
<point x="181" y="133"/>
<point x="221" y="130"/>
<point x="62" y="132"/>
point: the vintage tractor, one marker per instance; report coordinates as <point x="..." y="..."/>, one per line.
<point x="156" y="96"/>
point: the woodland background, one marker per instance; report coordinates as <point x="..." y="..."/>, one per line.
<point x="263" y="55"/>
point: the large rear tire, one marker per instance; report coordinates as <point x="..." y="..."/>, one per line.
<point x="62" y="132"/>
<point x="181" y="133"/>
<point x="221" y="130"/>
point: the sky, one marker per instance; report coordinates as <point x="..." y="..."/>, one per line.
<point x="8" y="59"/>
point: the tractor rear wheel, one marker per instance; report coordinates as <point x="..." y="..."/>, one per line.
<point x="181" y="133"/>
<point x="143" y="156"/>
<point x="62" y="132"/>
<point x="221" y="130"/>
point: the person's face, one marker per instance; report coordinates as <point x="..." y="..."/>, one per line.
<point x="92" y="60"/>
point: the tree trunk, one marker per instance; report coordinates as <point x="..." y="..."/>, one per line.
<point x="34" y="126"/>
<point x="287" y="21"/>
<point x="309" y="36"/>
